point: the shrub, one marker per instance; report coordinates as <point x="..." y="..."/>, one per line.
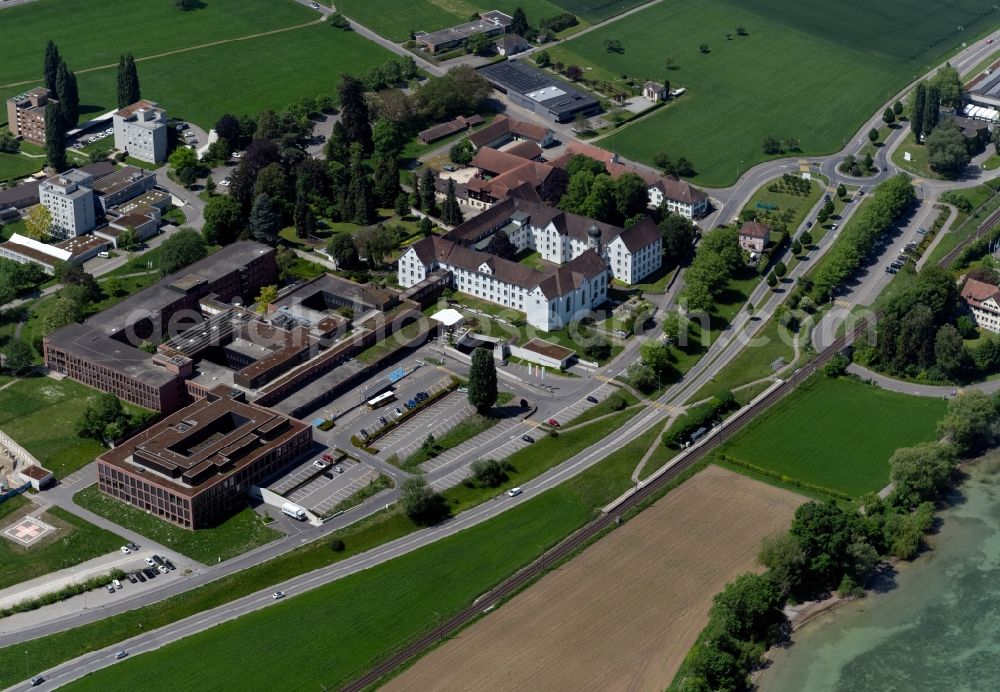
<point x="337" y="545"/>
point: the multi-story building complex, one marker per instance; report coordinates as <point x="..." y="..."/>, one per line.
<point x="492" y="23"/>
<point x="141" y="130"/>
<point x="588" y="254"/>
<point x="26" y="114"/>
<point x="69" y="197"/>
<point x="104" y="352"/>
<point x="195" y="467"/>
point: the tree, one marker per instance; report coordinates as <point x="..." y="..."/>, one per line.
<point x="385" y="182"/>
<point x="946" y="149"/>
<point x="354" y="116"/>
<point x="932" y="109"/>
<point x="782" y="555"/>
<point x="574" y="73"/>
<point x="68" y="95"/>
<point x="223" y="220"/>
<point x="704" y="48"/>
<point x="386" y="139"/>
<point x="824" y="532"/>
<point x="451" y="212"/>
<point x="490" y="472"/>
<point x="304" y="219"/>
<point x="482" y="381"/>
<point x="128" y="81"/>
<point x="181" y="158"/>
<point x="105" y="419"/>
<point x="867" y="164"/>
<point x="55" y="137"/>
<point x="425" y="227"/>
<point x="948" y="83"/>
<point x="678" y="235"/>
<point x="897" y="108"/>
<point x="772" y="280"/>
<point x="17" y="356"/>
<point x="228" y="128"/>
<point x="500" y="246"/>
<point x="420" y="502"/>
<point x="542" y="58"/>
<point x="519" y="23"/>
<point x="52" y="62"/>
<point x="656" y="355"/>
<point x="771" y="145"/>
<point x="428" y="196"/>
<point x="922" y="472"/>
<point x="950" y="352"/>
<point x="265" y="221"/>
<point x="38" y="223"/>
<point x="806" y="238"/>
<point x="343" y="251"/>
<point x="873" y="135"/>
<point x="631" y="195"/>
<point x="267" y="295"/>
<point x="113" y="287"/>
<point x="889" y="116"/>
<point x="461" y="152"/>
<point x="971" y="422"/>
<point x="917" y="107"/>
<point x="478" y="44"/>
<point x="184" y="247"/>
<point x="796" y="247"/>
<point x="749" y="608"/>
<point x="65" y="310"/>
<point x="600" y="201"/>
<point x="357" y="204"/>
<point x="613" y="45"/>
<point x="780" y="269"/>
<point x="841" y="191"/>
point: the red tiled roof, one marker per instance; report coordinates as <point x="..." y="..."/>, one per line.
<point x="525" y="149"/>
<point x="755" y="229"/>
<point x="976" y="291"/>
<point x="503" y="125"/>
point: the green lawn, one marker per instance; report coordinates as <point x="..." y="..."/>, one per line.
<point x="100" y="32"/>
<point x="382" y="608"/>
<point x="918" y="164"/>
<point x="242" y="532"/>
<point x="603" y="408"/>
<point x="11" y="227"/>
<point x="836" y="434"/>
<point x="13" y="167"/>
<point x="836" y="67"/>
<point x="200" y="84"/>
<point x="464" y="431"/>
<point x="786" y="206"/>
<point x="40" y="414"/>
<point x="74" y="541"/>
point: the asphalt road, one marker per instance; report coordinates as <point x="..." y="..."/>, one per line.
<point x="724" y="349"/>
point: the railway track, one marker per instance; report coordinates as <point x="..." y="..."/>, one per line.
<point x="568" y="546"/>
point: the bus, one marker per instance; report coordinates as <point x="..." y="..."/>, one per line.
<point x="381" y="399"/>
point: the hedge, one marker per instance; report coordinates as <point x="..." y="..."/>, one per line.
<point x="701" y="416"/>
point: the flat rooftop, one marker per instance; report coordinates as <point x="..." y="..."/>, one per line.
<point x="554" y="95"/>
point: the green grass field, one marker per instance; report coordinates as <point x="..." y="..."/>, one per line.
<point x="40" y="414"/>
<point x="238" y="534"/>
<point x="90" y="33"/>
<point x="836" y="434"/>
<point x="16" y="166"/>
<point x="395" y="20"/>
<point x="836" y="69"/>
<point x="74" y="542"/>
<point x="362" y="617"/>
<point x="796" y="206"/>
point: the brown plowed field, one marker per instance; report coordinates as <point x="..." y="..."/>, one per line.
<point x="622" y="615"/>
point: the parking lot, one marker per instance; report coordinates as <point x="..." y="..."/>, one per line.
<point x="320" y="489"/>
<point x="437" y="419"/>
<point x="427" y="379"/>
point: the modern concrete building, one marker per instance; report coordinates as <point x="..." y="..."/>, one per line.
<point x="537" y="92"/>
<point x="122" y="185"/>
<point x="141" y="130"/>
<point x="104" y="352"/>
<point x="195" y="468"/>
<point x="69" y="197"/>
<point x="26" y="114"/>
<point x="492" y="23"/>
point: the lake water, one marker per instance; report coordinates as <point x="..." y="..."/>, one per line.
<point x="938" y="628"/>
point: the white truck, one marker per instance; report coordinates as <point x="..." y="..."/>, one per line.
<point x="294" y="511"/>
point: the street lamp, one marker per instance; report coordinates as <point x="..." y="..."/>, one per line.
<point x="26" y="673"/>
<point x="738" y="168"/>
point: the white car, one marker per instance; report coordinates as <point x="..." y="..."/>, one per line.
<point x="149" y="561"/>
<point x="225" y="182"/>
<point x="319" y="464"/>
<point x="117" y="583"/>
<point x="278" y="594"/>
<point x="514" y="492"/>
<point x="125" y="549"/>
<point x="162" y="569"/>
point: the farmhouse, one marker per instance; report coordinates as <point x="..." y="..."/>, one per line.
<point x="505" y="129"/>
<point x="532" y="89"/>
<point x="492" y="23"/>
<point x="754" y="236"/>
<point x="26" y="114"/>
<point x="433" y="134"/>
<point x="983" y="300"/>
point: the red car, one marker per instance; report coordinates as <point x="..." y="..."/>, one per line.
<point x="327" y="457"/>
<point x="554" y="423"/>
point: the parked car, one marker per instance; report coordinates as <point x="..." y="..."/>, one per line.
<point x="169" y="565"/>
<point x="382" y="420"/>
<point x="149" y="561"/>
<point x="527" y="438"/>
<point x="328" y="457"/>
<point x="132" y="546"/>
<point x="131" y="578"/>
<point x="448" y="167"/>
<point x="319" y="464"/>
<point x="37" y="680"/>
<point x="140" y="576"/>
<point x="125" y="549"/>
<point x="363" y="433"/>
<point x="161" y="569"/>
<point x="463" y="390"/>
<point x="592" y="399"/>
<point x="157" y="559"/>
<point x="554" y="423"/>
<point x="148" y="571"/>
<point x="278" y="594"/>
<point x="338" y="469"/>
<point x="397" y="412"/>
<point x="110" y="588"/>
<point x="514" y="492"/>
<point x="411" y="404"/>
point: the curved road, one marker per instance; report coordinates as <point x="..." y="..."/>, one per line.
<point x="720" y="353"/>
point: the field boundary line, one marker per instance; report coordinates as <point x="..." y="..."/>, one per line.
<point x="186" y="49"/>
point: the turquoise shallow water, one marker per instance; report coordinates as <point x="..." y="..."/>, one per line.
<point x="937" y="628"/>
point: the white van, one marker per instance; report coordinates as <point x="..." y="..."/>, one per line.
<point x="104" y="254"/>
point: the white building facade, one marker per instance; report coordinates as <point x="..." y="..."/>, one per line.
<point x="680" y="197"/>
<point x="141" y="130"/>
<point x="69" y="197"/>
